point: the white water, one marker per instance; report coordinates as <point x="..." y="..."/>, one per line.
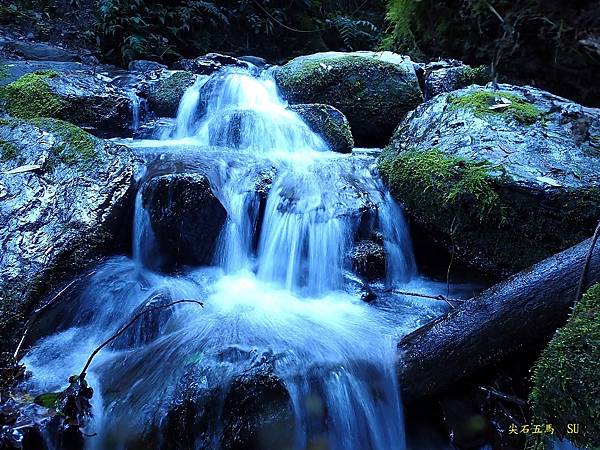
<point x="282" y="296"/>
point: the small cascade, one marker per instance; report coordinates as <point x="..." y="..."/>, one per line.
<point x="275" y="298"/>
<point x="136" y="107"/>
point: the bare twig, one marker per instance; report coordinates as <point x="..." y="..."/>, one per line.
<point x="432" y="297"/>
<point x="503" y="396"/>
<point x="586" y="265"/>
<point x="125" y="327"/>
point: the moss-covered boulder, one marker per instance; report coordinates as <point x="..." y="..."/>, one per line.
<point x="80" y="98"/>
<point x="566" y="381"/>
<point x="329" y="123"/>
<point x="164" y="94"/>
<point x="64" y="200"/>
<point x="504" y="178"/>
<point x="373" y="90"/>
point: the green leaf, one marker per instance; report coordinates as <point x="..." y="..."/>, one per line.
<point x="48" y="400"/>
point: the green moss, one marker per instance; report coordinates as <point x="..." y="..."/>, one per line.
<point x="30" y="96"/>
<point x="77" y="147"/>
<point x="480" y="101"/>
<point x="8" y="151"/>
<point x="447" y="188"/>
<point x="476" y="75"/>
<point x="473" y="208"/>
<point x="566" y="377"/>
<point x="3" y="72"/>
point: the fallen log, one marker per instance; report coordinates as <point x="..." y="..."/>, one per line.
<point x="510" y="317"/>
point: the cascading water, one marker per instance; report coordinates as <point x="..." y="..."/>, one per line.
<point x="279" y="302"/>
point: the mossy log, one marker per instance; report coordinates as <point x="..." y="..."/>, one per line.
<point x="512" y="317"/>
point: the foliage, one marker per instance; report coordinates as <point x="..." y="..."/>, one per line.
<point x="30" y="96"/>
<point x="566" y="385"/>
<point x="483" y="101"/>
<point x="540" y="40"/>
<point x="131" y="29"/>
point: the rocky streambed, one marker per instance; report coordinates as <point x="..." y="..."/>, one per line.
<point x="223" y="173"/>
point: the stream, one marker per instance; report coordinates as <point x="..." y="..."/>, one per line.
<point x="285" y="353"/>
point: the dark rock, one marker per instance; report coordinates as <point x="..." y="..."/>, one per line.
<point x="65" y="199"/>
<point x="506" y="178"/>
<point x="450" y="75"/>
<point x="368" y="259"/>
<point x="39" y="51"/>
<point x="256" y="61"/>
<point x="208" y="64"/>
<point x="257" y="412"/>
<point x="185" y="216"/>
<point x="155" y="129"/>
<point x="86" y="100"/>
<point x="149" y="326"/>
<point x="143" y="65"/>
<point x="373" y="90"/>
<point x="163" y="95"/>
<point x="197" y="66"/>
<point x="328" y="122"/>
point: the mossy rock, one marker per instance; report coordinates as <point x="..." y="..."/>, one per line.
<point x="31" y="96"/>
<point x="373" y="90"/>
<point x="566" y="377"/>
<point x="80" y="98"/>
<point x="164" y="95"/>
<point x="329" y="123"/>
<point x="498" y="188"/>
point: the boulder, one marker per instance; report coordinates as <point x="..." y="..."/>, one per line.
<point x="86" y="100"/>
<point x="449" y="75"/>
<point x="373" y="90"/>
<point x="328" y="122"/>
<point x="163" y="94"/>
<point x="185" y="216"/>
<point x="65" y="199"/>
<point x="505" y="178"/>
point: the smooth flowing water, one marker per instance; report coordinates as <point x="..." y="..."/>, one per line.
<point x="283" y="318"/>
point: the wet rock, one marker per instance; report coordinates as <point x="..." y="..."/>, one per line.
<point x="328" y="122"/>
<point x="185" y="216"/>
<point x="256" y="61"/>
<point x="229" y="130"/>
<point x="163" y="95"/>
<point x="208" y="64"/>
<point x="450" y="75"/>
<point x="143" y="65"/>
<point x="86" y="100"/>
<point x="155" y="129"/>
<point x="65" y="200"/>
<point x="257" y="412"/>
<point x="506" y="178"/>
<point x="149" y="326"/>
<point x="368" y="259"/>
<point x="373" y="90"/>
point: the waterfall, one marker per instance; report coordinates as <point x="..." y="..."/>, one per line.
<point x="276" y="295"/>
